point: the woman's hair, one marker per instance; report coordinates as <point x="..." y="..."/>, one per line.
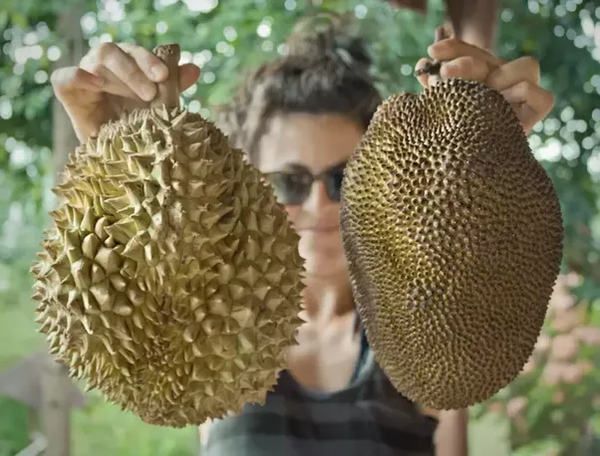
<point x="324" y="71"/>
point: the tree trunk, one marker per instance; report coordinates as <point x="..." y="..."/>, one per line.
<point x="54" y="416"/>
<point x="55" y="409"/>
<point x="75" y="47"/>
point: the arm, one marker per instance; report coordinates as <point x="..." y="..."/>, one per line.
<point x="451" y="437"/>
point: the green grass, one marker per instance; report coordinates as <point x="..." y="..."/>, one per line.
<point x="102" y="428"/>
<point x="488" y="436"/>
<point x="13" y="427"/>
<point x="18" y="337"/>
<point x="99" y="428"/>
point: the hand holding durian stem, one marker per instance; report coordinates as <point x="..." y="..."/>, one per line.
<point x="113" y="78"/>
<point x="168" y="90"/>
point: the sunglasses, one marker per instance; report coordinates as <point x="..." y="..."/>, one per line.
<point x="293" y="186"/>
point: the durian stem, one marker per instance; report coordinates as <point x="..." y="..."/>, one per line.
<point x="168" y="91"/>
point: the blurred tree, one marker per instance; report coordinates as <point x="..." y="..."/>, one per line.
<point x="553" y="404"/>
<point x="224" y="40"/>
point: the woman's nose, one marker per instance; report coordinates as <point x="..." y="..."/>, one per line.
<point x="317" y="198"/>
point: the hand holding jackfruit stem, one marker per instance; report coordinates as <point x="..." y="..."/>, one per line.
<point x="518" y="81"/>
<point x="454" y="295"/>
<point x="111" y="78"/>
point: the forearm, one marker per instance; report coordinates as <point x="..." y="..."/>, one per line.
<point x="451" y="437"/>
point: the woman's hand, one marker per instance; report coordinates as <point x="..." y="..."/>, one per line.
<point x="110" y="78"/>
<point x="518" y="81"/>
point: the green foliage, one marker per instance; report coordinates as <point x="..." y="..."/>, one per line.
<point x="13" y="432"/>
<point x="103" y="428"/>
<point x="554" y="404"/>
<point x="225" y="40"/>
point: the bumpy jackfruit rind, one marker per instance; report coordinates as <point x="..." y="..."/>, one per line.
<point x="429" y="372"/>
<point x="139" y="337"/>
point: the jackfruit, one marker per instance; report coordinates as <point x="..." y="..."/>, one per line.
<point x="453" y="235"/>
<point x="170" y="278"/>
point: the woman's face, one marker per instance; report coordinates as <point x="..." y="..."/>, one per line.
<point x="315" y="143"/>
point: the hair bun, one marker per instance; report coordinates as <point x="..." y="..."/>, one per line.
<point x="327" y="35"/>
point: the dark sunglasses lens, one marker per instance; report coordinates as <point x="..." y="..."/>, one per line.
<point x="290" y="189"/>
<point x="334" y="184"/>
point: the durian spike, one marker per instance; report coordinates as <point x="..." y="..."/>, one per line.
<point x="143" y="281"/>
<point x="168" y="90"/>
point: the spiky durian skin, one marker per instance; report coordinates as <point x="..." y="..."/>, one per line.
<point x="453" y="234"/>
<point x="170" y="279"/>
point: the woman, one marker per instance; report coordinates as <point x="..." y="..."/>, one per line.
<point x="298" y="117"/>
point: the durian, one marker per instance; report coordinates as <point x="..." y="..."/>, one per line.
<point x="170" y="279"/>
<point x="453" y="234"/>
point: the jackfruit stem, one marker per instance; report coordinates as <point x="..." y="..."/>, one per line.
<point x="168" y="90"/>
<point x="430" y="68"/>
<point x="433" y="68"/>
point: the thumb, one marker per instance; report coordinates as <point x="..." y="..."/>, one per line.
<point x="188" y="76"/>
<point x="423" y="78"/>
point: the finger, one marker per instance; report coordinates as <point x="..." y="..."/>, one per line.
<point x="188" y="75"/>
<point x="155" y="69"/>
<point x="423" y="78"/>
<point x="114" y="85"/>
<point x="531" y="102"/>
<point x="527" y="116"/>
<point x="511" y="73"/>
<point x="152" y="66"/>
<point x="67" y="79"/>
<point x="451" y="49"/>
<point x="466" y="67"/>
<point x="126" y="69"/>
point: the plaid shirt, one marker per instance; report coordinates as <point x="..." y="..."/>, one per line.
<point x="367" y="418"/>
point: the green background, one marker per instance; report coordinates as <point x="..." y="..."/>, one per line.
<point x="225" y="37"/>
